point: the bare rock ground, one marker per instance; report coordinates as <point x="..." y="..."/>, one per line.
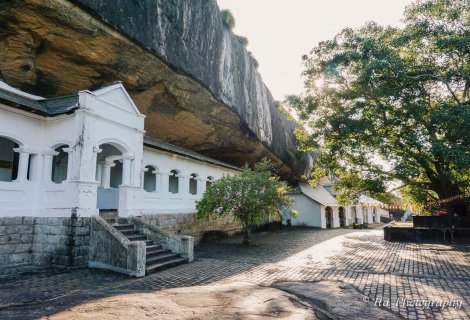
<point x="219" y="301"/>
<point x="236" y="300"/>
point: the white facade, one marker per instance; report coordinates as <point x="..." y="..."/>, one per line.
<point x="317" y="207"/>
<point x="93" y="157"/>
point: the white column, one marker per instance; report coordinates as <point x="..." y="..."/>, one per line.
<point x="126" y="171"/>
<point x="200" y="184"/>
<point x="158" y="181"/>
<point x="69" y="163"/>
<point x="165" y="182"/>
<point x="183" y="184"/>
<point x="47" y="167"/>
<point x="107" y="174"/>
<point x="142" y="177"/>
<point x="94" y="157"/>
<point x="322" y="217"/>
<point x="203" y="186"/>
<point x="36" y="167"/>
<point x="99" y="173"/>
<point x="335" y="222"/>
<point x="22" y="165"/>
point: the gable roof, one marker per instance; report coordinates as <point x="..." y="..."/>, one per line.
<point x="368" y="200"/>
<point x="116" y="94"/>
<point x="318" y="194"/>
<point x="35" y="104"/>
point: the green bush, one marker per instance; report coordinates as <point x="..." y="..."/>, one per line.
<point x="250" y="195"/>
<point x="243" y="40"/>
<point x="228" y="19"/>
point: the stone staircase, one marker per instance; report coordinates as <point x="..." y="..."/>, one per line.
<point x="157" y="258"/>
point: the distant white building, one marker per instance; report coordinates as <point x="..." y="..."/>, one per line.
<point x="317" y="207"/>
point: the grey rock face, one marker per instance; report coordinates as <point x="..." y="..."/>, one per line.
<point x="191" y="38"/>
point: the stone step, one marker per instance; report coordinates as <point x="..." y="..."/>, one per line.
<point x="153" y="247"/>
<point x="128" y="232"/>
<point x="123" y="226"/>
<point x="138" y="237"/>
<point x="162" y="257"/>
<point x="117" y="221"/>
<point x="148" y="242"/>
<point x="166" y="264"/>
<point x="154" y="253"/>
<point x="109" y="214"/>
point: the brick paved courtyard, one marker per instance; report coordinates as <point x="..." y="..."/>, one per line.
<point x="381" y="270"/>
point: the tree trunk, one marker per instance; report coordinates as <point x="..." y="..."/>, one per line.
<point x="246" y="237"/>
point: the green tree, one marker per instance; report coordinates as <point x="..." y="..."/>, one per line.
<point x="250" y="195"/>
<point x="243" y="40"/>
<point x="393" y="104"/>
<point x="228" y="19"/>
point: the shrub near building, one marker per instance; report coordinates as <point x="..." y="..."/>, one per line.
<point x="250" y="195"/>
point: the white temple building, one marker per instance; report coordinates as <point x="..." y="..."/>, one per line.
<point x="87" y="152"/>
<point x="318" y="207"/>
<point x="81" y="185"/>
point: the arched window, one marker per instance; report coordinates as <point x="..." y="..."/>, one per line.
<point x="193" y="184"/>
<point x="8" y="160"/>
<point x="342" y="217"/>
<point x="59" y="165"/>
<point x="209" y="181"/>
<point x="150" y="179"/>
<point x="173" y="182"/>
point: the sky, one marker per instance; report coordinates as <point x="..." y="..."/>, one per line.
<point x="280" y="31"/>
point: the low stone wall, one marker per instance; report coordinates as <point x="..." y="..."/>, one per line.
<point x="61" y="241"/>
<point x="392" y="232"/>
<point x="111" y="250"/>
<point x="16" y="240"/>
<point x="54" y="241"/>
<point x="189" y="224"/>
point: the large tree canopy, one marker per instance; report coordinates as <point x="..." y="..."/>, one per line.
<point x="393" y="104"/>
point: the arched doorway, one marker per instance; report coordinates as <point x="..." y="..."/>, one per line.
<point x="374" y="215"/>
<point x="9" y="160"/>
<point x="109" y="175"/>
<point x="342" y="217"/>
<point x="329" y="217"/>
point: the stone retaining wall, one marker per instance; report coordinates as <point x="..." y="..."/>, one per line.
<point x="44" y="241"/>
<point x="189" y="224"/>
<point x="16" y="240"/>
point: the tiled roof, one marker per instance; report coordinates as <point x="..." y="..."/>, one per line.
<point x="158" y="144"/>
<point x="318" y="194"/>
<point x="46" y="107"/>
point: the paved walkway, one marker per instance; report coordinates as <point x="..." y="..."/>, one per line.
<point x="402" y="277"/>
